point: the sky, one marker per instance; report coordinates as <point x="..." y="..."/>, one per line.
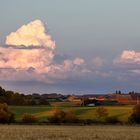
<point x="70" y="47"/>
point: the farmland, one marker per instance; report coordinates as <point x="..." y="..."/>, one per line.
<point x="70" y="132"/>
<point x="42" y="112"/>
<point x="31" y="132"/>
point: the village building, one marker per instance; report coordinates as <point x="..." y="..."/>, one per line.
<point x="74" y="99"/>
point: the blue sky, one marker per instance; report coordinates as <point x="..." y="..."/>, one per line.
<point x="96" y="31"/>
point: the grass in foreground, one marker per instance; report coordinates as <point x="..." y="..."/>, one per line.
<point x="23" y="132"/>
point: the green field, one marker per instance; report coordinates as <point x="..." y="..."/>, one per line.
<point x="45" y="132"/>
<point x="42" y="112"/>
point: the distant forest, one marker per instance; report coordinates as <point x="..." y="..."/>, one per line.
<point x="15" y="98"/>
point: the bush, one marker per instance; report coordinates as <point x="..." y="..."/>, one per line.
<point x="58" y="117"/>
<point x="135" y="116"/>
<point x="70" y="117"/>
<point x="6" y="116"/>
<point x="29" y="118"/>
<point x="101" y="112"/>
<point x="63" y="117"/>
<point x="112" y="119"/>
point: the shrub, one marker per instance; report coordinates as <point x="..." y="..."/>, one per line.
<point x="61" y="116"/>
<point x="70" y="117"/>
<point x="6" y="116"/>
<point x="135" y="116"/>
<point x="101" y="112"/>
<point x="58" y="116"/>
<point x="29" y="118"/>
<point x="112" y="119"/>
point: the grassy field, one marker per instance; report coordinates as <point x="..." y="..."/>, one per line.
<point x="39" y="111"/>
<point x="35" y="132"/>
<point x="42" y="112"/>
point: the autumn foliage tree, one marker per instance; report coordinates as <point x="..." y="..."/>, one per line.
<point x="135" y="116"/>
<point x="61" y="116"/>
<point x="6" y="116"/>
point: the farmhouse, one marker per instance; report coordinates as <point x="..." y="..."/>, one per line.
<point x="101" y="98"/>
<point x="74" y="99"/>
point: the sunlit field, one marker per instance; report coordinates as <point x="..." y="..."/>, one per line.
<point x="32" y="132"/>
<point x="42" y="112"/>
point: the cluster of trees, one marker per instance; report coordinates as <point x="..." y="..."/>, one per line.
<point x="120" y="92"/>
<point x="61" y="116"/>
<point x="14" y="98"/>
<point x="102" y="112"/>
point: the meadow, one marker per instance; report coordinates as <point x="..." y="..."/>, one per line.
<point x="43" y="112"/>
<point x="46" y="132"/>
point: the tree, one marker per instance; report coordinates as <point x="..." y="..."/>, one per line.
<point x="6" y="116"/>
<point x="2" y="91"/>
<point x="118" y="92"/>
<point x="61" y="116"/>
<point x="43" y="101"/>
<point x="101" y="112"/>
<point x="70" y="117"/>
<point x="58" y="116"/>
<point x="135" y="116"/>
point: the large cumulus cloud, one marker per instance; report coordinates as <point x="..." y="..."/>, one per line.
<point x="29" y="55"/>
<point x="32" y="34"/>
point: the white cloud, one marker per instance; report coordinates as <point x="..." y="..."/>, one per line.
<point x="32" y="34"/>
<point x="128" y="57"/>
<point x="38" y="59"/>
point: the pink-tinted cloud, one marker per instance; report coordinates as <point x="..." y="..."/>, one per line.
<point x="78" y="61"/>
<point x="128" y="56"/>
<point x="32" y="34"/>
<point x="98" y="61"/>
<point x="39" y="59"/>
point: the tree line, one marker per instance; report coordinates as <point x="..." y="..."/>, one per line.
<point x="15" y="98"/>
